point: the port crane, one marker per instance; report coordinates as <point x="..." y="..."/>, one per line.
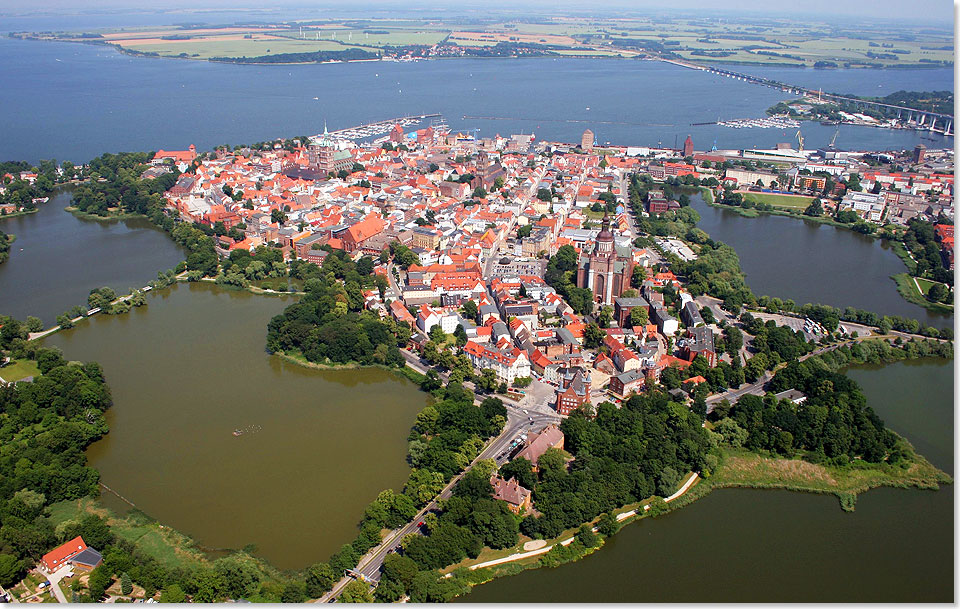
<point x="833" y="140"/>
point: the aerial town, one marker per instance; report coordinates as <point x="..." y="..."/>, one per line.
<point x="484" y="216"/>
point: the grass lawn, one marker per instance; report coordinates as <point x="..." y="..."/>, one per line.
<point x="789" y="201"/>
<point x="741" y="468"/>
<point x="19" y="369"/>
<point x="925" y="285"/>
<point x="166" y="545"/>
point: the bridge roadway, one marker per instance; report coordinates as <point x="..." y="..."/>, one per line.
<point x="798" y="90"/>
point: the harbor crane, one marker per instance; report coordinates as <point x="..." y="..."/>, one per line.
<point x="833" y="140"/>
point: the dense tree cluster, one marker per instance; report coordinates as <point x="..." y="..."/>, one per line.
<point x="20" y="192"/>
<point x="920" y="240"/>
<point x="5" y="241"/>
<point x="44" y="428"/>
<point x="468" y="521"/>
<point x="329" y="322"/>
<point x="622" y="455"/>
<point x="115" y="183"/>
<point x="561" y="276"/>
<point x="834" y="424"/>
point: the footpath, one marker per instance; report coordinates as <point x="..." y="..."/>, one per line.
<point x="620" y="517"/>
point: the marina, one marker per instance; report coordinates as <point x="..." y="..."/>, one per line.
<point x="378" y="128"/>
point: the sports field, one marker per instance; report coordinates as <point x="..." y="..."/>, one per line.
<point x="785" y="201"/>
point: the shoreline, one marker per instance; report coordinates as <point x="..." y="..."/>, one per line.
<point x="483" y="572"/>
<point x="700" y="61"/>
<point x="895" y="245"/>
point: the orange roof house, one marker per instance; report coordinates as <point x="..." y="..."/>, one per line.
<point x="58" y="556"/>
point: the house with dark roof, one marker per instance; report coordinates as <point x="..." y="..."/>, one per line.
<point x="690" y="314"/>
<point x="510" y="491"/>
<point x="698" y="341"/>
<point x="574" y="391"/>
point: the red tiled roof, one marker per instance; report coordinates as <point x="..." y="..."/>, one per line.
<point x="56" y="557"/>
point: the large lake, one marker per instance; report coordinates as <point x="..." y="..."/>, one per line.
<point x="189" y="369"/>
<point x="73" y="101"/>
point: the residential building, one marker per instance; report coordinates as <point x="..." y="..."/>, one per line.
<point x="517" y="498"/>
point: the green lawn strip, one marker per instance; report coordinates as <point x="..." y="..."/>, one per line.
<point x="741" y="468"/>
<point x="790" y="201"/>
<point x="19" y="369"/>
<point x="908" y="289"/>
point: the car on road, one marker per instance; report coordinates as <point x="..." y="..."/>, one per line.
<point x="420" y="524"/>
<point x="525" y="411"/>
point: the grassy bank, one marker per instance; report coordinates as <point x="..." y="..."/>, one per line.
<point x="114" y="214"/>
<point x="170" y="547"/>
<point x="22" y="212"/>
<point x="908" y="289"/>
<point x="787" y="201"/>
<point x="744" y="469"/>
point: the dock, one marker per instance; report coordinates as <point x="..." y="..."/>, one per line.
<point x="377" y="128"/>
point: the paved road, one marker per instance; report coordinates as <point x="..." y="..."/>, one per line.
<point x="518" y="422"/>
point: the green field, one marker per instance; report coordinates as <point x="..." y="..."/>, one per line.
<point x="207" y="48"/>
<point x="785" y="201"/>
<point x="698" y="39"/>
<point x="19" y="369"/>
<point x="924" y="285"/>
<point x="169" y="547"/>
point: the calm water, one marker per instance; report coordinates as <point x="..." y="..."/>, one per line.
<point x="739" y="545"/>
<point x="187" y="370"/>
<point x="813" y="262"/>
<point x="96" y="100"/>
<point x="57" y="259"/>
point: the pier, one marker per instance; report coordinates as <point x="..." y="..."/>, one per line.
<point x="377" y="128"/>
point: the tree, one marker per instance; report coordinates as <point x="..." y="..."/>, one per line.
<point x="522" y="470"/>
<point x="936" y="293"/>
<point x="278" y="216"/>
<point x="524" y="231"/>
<point x="605" y="316"/>
<point x="639" y="316"/>
<point x="126" y="584"/>
<point x="593" y="336"/>
<point x="356" y="592"/>
<point x="320" y="579"/>
<point x="11" y="570"/>
<point x="587" y="537"/>
<point x="173" y="593"/>
<point x="34" y="324"/>
<point x="470" y="309"/>
<point x="815" y="209"/>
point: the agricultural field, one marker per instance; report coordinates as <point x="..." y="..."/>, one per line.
<point x="756" y="41"/>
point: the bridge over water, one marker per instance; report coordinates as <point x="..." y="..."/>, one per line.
<point x="919" y="119"/>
